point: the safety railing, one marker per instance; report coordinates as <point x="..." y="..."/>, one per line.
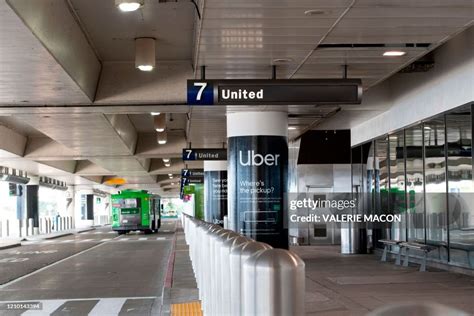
<point x="14" y="228"/>
<point x="239" y="276"/>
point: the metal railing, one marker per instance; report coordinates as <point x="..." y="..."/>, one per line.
<point x="14" y="228"/>
<point x="239" y="276"/>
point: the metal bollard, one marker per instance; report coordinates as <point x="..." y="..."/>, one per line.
<point x="225" y="286"/>
<point x="216" y="243"/>
<point x="30" y="226"/>
<point x="238" y="255"/>
<point x="279" y="276"/>
<point x="207" y="267"/>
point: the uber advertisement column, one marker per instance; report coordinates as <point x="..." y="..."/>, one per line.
<point x="257" y="178"/>
<point x="215" y="191"/>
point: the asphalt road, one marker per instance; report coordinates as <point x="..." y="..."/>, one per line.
<point x="95" y="273"/>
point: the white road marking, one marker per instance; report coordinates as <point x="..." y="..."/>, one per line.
<point x="108" y="306"/>
<point x="111" y="232"/>
<point x="49" y="307"/>
<point x="143" y="238"/>
<point x="160" y="238"/>
<point x="69" y="240"/>
<point x="123" y="239"/>
<point x="106" y="239"/>
<point x="86" y="240"/>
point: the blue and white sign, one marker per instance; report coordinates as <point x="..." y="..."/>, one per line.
<point x="200" y="92"/>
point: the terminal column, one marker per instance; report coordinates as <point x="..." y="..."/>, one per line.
<point x="215" y="191"/>
<point x="257" y="175"/>
<point x="32" y="198"/>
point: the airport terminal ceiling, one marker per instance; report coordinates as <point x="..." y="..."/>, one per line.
<point x="75" y="108"/>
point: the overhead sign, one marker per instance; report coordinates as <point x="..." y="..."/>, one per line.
<point x="274" y="92"/>
<point x="192" y="172"/>
<point x="205" y="154"/>
<point x="193" y="180"/>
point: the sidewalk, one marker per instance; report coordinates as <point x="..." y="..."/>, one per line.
<point x="180" y="295"/>
<point x="353" y="285"/>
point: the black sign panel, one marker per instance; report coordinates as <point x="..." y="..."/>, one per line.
<point x="193" y="180"/>
<point x="274" y="92"/>
<point x="192" y="172"/>
<point x="205" y="154"/>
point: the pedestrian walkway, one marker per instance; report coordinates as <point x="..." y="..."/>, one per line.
<point x="356" y="284"/>
<point x="181" y="294"/>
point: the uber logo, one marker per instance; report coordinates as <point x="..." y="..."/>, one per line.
<point x="254" y="159"/>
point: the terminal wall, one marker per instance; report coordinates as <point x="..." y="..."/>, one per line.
<point x="412" y="97"/>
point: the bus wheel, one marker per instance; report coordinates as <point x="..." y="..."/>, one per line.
<point x="148" y="231"/>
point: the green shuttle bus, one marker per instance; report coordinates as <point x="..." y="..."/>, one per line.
<point x="135" y="210"/>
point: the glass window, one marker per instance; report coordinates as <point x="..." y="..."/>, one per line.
<point x="460" y="187"/>
<point x="397" y="183"/>
<point x="414" y="184"/>
<point x="51" y="202"/>
<point x="435" y="186"/>
<point x="381" y="180"/>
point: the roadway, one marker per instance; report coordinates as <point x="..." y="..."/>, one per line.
<point x="94" y="272"/>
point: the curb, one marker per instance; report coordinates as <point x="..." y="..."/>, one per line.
<point x="10" y="246"/>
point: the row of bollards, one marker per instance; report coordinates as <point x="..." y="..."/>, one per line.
<point x="239" y="276"/>
<point x="14" y="228"/>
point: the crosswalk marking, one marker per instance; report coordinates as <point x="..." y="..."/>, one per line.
<point x="160" y="238"/>
<point x="106" y="239"/>
<point x="143" y="238"/>
<point x="123" y="239"/>
<point x="111" y="232"/>
<point x="108" y="306"/>
<point x="105" y="306"/>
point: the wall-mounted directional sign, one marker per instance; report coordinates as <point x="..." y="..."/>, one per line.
<point x="274" y="92"/>
<point x="192" y="173"/>
<point x="205" y="154"/>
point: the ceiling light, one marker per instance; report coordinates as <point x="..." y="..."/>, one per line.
<point x="155" y="113"/>
<point x="145" y="53"/>
<point x="159" y="122"/>
<point x="394" y="53"/>
<point x="167" y="160"/>
<point x="129" y="5"/>
<point x="162" y="138"/>
<point x="291" y="128"/>
<point x="282" y="60"/>
<point x="168" y="164"/>
<point x="314" y="12"/>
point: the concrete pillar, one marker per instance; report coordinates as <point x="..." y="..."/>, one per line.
<point x="257" y="175"/>
<point x="32" y="211"/>
<point x="215" y="191"/>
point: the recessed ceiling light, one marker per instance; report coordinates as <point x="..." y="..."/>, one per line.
<point x="129" y="5"/>
<point x="314" y="12"/>
<point x="167" y="160"/>
<point x="167" y="164"/>
<point x="155" y="113"/>
<point x="291" y="128"/>
<point x="282" y="60"/>
<point x="394" y="53"/>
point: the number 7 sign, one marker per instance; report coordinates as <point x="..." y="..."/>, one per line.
<point x="200" y="92"/>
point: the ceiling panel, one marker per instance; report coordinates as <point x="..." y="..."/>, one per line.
<point x="171" y="24"/>
<point x="28" y="72"/>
